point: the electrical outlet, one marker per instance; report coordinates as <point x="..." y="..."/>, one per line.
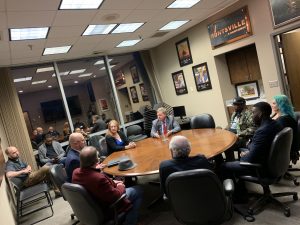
<point x="273" y="83"/>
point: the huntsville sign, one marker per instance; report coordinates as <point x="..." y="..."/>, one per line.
<point x="230" y="28"/>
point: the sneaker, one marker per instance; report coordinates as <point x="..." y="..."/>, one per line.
<point x="57" y="194"/>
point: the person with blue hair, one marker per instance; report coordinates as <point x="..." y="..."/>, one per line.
<point x="283" y="112"/>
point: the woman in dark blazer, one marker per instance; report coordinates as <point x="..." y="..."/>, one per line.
<point x="116" y="140"/>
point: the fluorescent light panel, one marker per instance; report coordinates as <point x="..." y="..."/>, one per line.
<point x="77" y="71"/>
<point x="103" y="68"/>
<point x="183" y="4"/>
<point x="101" y="61"/>
<point x="80" y="4"/>
<point x="174" y="25"/>
<point x="45" y="69"/>
<point x="61" y="74"/>
<point x="127" y="28"/>
<point x="85" y="75"/>
<point x="28" y="33"/>
<point x="99" y="29"/>
<point x="128" y="43"/>
<point x="39" y="82"/>
<point x="22" y="79"/>
<point x="56" y="50"/>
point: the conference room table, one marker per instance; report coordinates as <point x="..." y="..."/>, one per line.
<point x="149" y="152"/>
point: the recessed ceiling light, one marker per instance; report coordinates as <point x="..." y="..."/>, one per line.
<point x="80" y="4"/>
<point x="183" y="4"/>
<point x="45" y="69"/>
<point x="85" y="75"/>
<point x="49" y="86"/>
<point x="128" y="43"/>
<point x="99" y="29"/>
<point x="22" y="79"/>
<point x="39" y="82"/>
<point x="21" y="91"/>
<point x="76" y="82"/>
<point x="77" y="71"/>
<point x="94" y="76"/>
<point x="56" y="50"/>
<point x="174" y="25"/>
<point x="103" y="68"/>
<point x="101" y="61"/>
<point x="127" y="28"/>
<point x="28" y="33"/>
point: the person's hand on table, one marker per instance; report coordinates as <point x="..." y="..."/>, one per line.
<point x="169" y="133"/>
<point x="130" y="145"/>
<point x="100" y="166"/>
<point x="243" y="153"/>
<point x="156" y="135"/>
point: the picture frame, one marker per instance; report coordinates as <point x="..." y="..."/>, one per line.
<point x="184" y="52"/>
<point x="144" y="92"/>
<point x="134" y="95"/>
<point x="134" y="74"/>
<point x="119" y="78"/>
<point x="103" y="105"/>
<point x="179" y="83"/>
<point x="201" y="77"/>
<point x="284" y="11"/>
<point x="247" y="90"/>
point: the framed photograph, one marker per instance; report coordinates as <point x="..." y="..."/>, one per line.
<point x="201" y="76"/>
<point x="144" y="93"/>
<point x="134" y="96"/>
<point x="284" y="11"/>
<point x="179" y="83"/>
<point x="184" y="52"/>
<point x="134" y="74"/>
<point x="119" y="78"/>
<point x="248" y="90"/>
<point x="103" y="104"/>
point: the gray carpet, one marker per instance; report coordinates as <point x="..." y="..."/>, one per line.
<point x="161" y="214"/>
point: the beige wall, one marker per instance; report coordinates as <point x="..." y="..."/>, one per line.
<point x="212" y="101"/>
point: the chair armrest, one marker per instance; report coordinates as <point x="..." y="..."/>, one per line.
<point x="228" y="187"/>
<point x="113" y="205"/>
<point x="253" y="165"/>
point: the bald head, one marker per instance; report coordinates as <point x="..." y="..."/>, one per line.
<point x="76" y="141"/>
<point x="12" y="152"/>
<point x="88" y="157"/>
<point x="180" y="147"/>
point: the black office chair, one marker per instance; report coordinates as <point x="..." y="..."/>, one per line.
<point x="202" y="121"/>
<point x="30" y="197"/>
<point x="198" y="197"/>
<point x="94" y="141"/>
<point x="86" y="209"/>
<point x="135" y="133"/>
<point x="270" y="173"/>
<point x="103" y="147"/>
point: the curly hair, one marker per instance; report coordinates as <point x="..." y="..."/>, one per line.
<point x="284" y="105"/>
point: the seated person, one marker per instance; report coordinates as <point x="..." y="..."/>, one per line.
<point x="81" y="131"/>
<point x="51" y="152"/>
<point x="22" y="173"/>
<point x="66" y="131"/>
<point x="53" y="133"/>
<point x="180" y="149"/>
<point x="164" y="125"/>
<point x="98" y="124"/>
<point x="284" y="113"/>
<point x="104" y="190"/>
<point x="116" y="140"/>
<point x="40" y="136"/>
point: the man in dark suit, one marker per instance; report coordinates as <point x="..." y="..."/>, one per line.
<point x="180" y="149"/>
<point x="164" y="125"/>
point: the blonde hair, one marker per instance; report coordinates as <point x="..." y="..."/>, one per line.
<point x="109" y="124"/>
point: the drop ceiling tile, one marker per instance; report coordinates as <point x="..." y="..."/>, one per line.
<point x="5" y="62"/>
<point x="57" y="42"/>
<point x="110" y="16"/>
<point x="154" y="4"/>
<point x="30" y="19"/>
<point x="142" y="15"/>
<point x="66" y="31"/>
<point x="32" y="5"/>
<point x="3" y="22"/>
<point x="2" y="6"/>
<point x="168" y="15"/>
<point x="115" y="4"/>
<point x="73" y="17"/>
<point x="25" y="60"/>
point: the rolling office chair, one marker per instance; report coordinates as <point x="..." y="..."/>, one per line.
<point x="276" y="166"/>
<point x="198" y="197"/>
<point x="202" y="121"/>
<point x="135" y="133"/>
<point x="86" y="209"/>
<point x="103" y="147"/>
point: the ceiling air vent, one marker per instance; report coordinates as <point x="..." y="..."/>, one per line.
<point x="159" y="34"/>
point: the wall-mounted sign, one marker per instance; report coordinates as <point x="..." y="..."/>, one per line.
<point x="230" y="28"/>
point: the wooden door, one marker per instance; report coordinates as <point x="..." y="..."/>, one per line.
<point x="252" y="63"/>
<point x="291" y="52"/>
<point x="237" y="66"/>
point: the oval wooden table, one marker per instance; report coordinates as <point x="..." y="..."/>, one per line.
<point x="151" y="151"/>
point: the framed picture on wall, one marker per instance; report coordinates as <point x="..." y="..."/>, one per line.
<point x="119" y="78"/>
<point x="248" y="90"/>
<point x="103" y="104"/>
<point x="134" y="96"/>
<point x="201" y="76"/>
<point x="179" y="83"/>
<point x="184" y="52"/>
<point x="144" y="92"/>
<point x="134" y="74"/>
<point x="284" y="11"/>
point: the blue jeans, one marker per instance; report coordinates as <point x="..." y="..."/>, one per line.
<point x="135" y="195"/>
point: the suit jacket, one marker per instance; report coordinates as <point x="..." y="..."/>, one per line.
<point x="174" y="165"/>
<point x="112" y="145"/>
<point x="103" y="190"/>
<point x="261" y="142"/>
<point x="172" y="125"/>
<point x="72" y="163"/>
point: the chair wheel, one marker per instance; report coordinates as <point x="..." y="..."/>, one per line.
<point x="296" y="183"/>
<point x="72" y="217"/>
<point x="250" y="211"/>
<point x="295" y="197"/>
<point x="287" y="213"/>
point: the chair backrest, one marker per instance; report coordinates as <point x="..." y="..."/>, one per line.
<point x="298" y="128"/>
<point x="168" y="108"/>
<point x="134" y="130"/>
<point x="59" y="176"/>
<point x="84" y="207"/>
<point x="202" y="121"/>
<point x="94" y="141"/>
<point x="103" y="146"/>
<point x="279" y="160"/>
<point x="197" y="197"/>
